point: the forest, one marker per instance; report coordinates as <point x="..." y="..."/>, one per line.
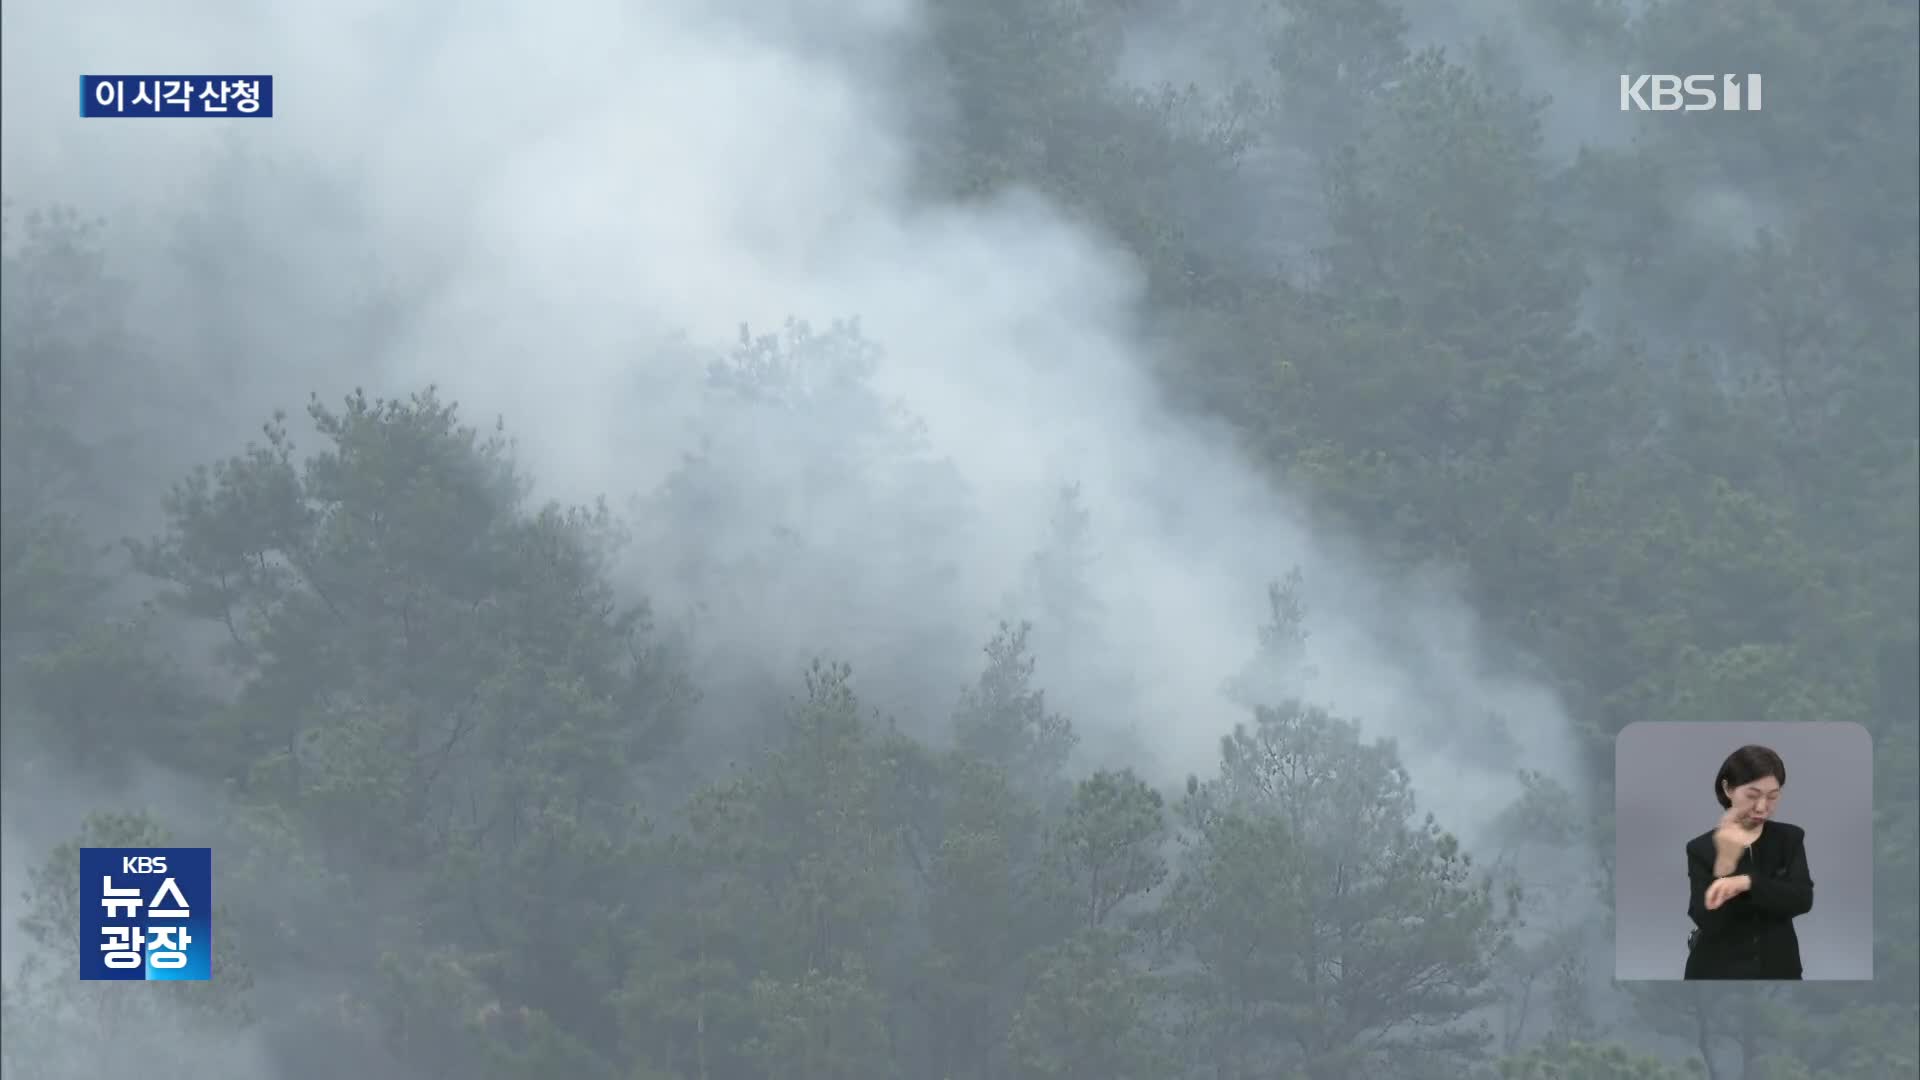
<point x="970" y="540"/>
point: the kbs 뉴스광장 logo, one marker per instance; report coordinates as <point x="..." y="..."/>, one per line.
<point x="146" y="914"/>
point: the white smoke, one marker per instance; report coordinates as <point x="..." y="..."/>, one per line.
<point x="553" y="191"/>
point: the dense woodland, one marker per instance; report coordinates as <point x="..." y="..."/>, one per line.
<point x="1678" y="467"/>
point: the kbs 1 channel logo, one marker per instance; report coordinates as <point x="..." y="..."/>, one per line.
<point x="1690" y="93"/>
<point x="120" y="97"/>
<point x="146" y="914"/>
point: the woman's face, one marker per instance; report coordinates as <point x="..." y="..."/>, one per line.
<point x="1755" y="801"/>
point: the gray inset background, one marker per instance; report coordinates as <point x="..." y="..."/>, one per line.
<point x="1663" y="797"/>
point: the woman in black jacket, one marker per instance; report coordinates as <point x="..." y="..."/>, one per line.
<point x="1749" y="877"/>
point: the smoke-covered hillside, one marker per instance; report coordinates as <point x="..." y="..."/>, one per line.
<point x="965" y="541"/>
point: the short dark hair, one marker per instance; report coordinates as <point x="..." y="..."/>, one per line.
<point x="1744" y="766"/>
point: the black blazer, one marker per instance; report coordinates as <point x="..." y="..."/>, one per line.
<point x="1751" y="936"/>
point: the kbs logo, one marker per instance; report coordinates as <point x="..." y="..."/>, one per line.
<point x="146" y="914"/>
<point x="1689" y="93"/>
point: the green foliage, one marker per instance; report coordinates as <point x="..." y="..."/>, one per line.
<point x="1334" y="61"/>
<point x="819" y="1027"/>
<point x="1004" y="718"/>
<point x="985" y="906"/>
<point x="1086" y="1014"/>
<point x="1278" y="670"/>
<point x="1239" y="915"/>
<point x="1330" y="927"/>
<point x="62" y="317"/>
<point x="424" y="662"/>
<point x="433" y="678"/>
<point x="71" y="703"/>
<point x="786" y="892"/>
<point x="1544" y="967"/>
<point x="1109" y="843"/>
<point x="1454" y="288"/>
<point x="47" y="576"/>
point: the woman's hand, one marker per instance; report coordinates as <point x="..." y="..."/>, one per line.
<point x="1725" y="889"/>
<point x="1730" y="838"/>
